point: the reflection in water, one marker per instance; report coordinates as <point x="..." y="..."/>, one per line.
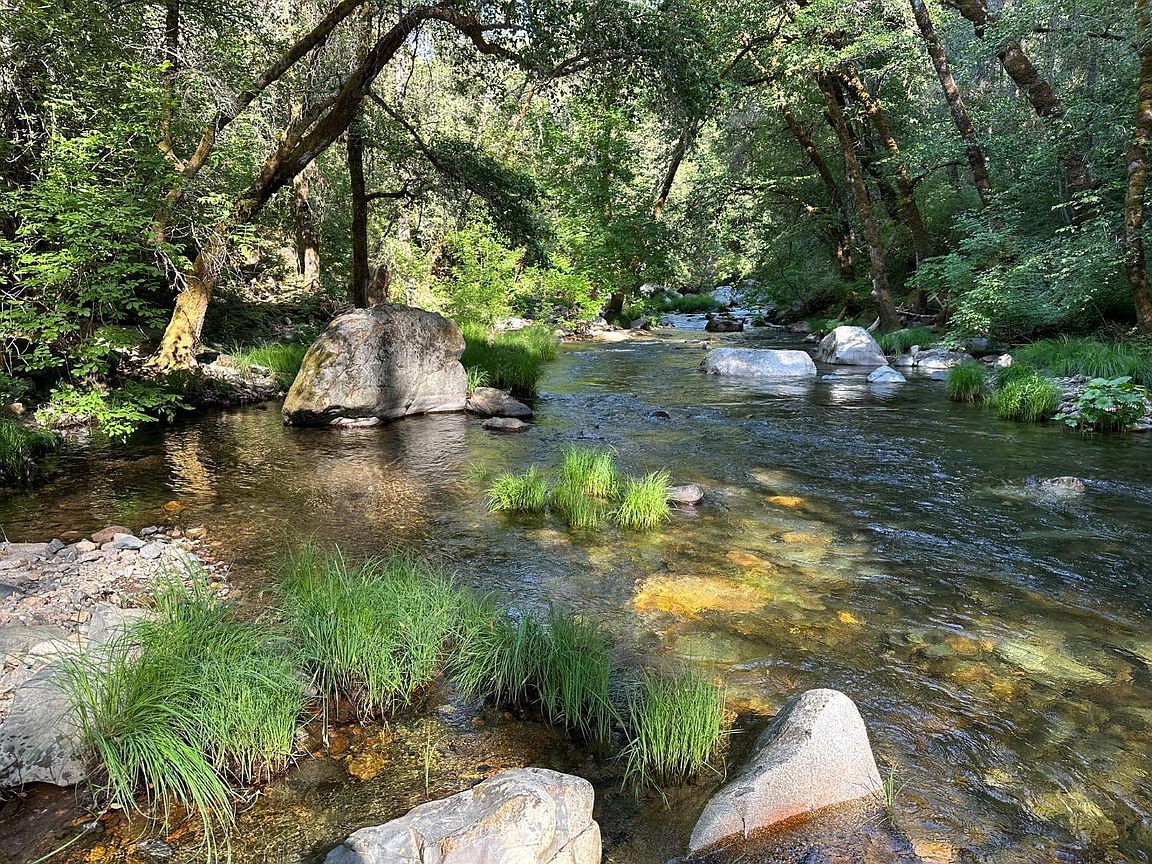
<point x="886" y="542"/>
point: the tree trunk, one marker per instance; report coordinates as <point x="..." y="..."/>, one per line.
<point x="182" y="336"/>
<point x="841" y="232"/>
<point x="889" y="320"/>
<point x="909" y="209"/>
<point x="679" y="151"/>
<point x="1135" y="260"/>
<point x="360" y="272"/>
<point x="307" y="237"/>
<point x="976" y="161"/>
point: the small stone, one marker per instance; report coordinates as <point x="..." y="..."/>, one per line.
<point x="505" y="424"/>
<point x="106" y="535"/>
<point x="85" y="546"/>
<point x="689" y="493"/>
<point x="151" y="551"/>
<point x="196" y="533"/>
<point x="55" y="546"/>
<point x="149" y="531"/>
<point x="886" y="375"/>
<point x="153" y="850"/>
<point x="127" y="541"/>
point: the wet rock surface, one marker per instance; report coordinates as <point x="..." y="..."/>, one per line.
<point x="850" y="346"/>
<point x="759" y="362"/>
<point x="490" y="402"/>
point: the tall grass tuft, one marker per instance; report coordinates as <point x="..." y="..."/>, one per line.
<point x="689" y="304"/>
<point x="21" y="448"/>
<point x="184" y="704"/>
<point x="676" y="725"/>
<point x="1028" y="398"/>
<point x="1068" y="356"/>
<point x="590" y="472"/>
<point x="966" y="382"/>
<point x="644" y="502"/>
<point x="577" y="508"/>
<point x="513" y="360"/>
<point x="282" y="359"/>
<point x="901" y="341"/>
<point x="375" y="632"/>
<point x="519" y="493"/>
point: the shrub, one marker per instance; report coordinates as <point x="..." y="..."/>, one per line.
<point x="675" y="728"/>
<point x="590" y="472"/>
<point x="690" y="304"/>
<point x="282" y="359"/>
<point x="901" y="341"/>
<point x="644" y="503"/>
<point x="966" y="382"/>
<point x="116" y="412"/>
<point x="519" y="493"/>
<point x="1106" y="404"/>
<point x="1029" y="398"/>
<point x="21" y="448"/>
<point x="1069" y="356"/>
<point x="184" y="702"/>
<point x="513" y="360"/>
<point x="1014" y="372"/>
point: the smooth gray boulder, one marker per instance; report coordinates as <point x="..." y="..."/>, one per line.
<point x="759" y="362"/>
<point x="886" y="375"/>
<point x="490" y="402"/>
<point x="379" y="364"/>
<point x="936" y="359"/>
<point x="524" y="816"/>
<point x="688" y="493"/>
<point x="850" y="346"/>
<point x="815" y="754"/>
<point x="39" y="736"/>
<point x="505" y="424"/>
<point x="724" y="325"/>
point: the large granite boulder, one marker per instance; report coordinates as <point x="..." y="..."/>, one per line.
<point x="525" y="816"/>
<point x="759" y="362"/>
<point x="39" y="737"/>
<point x="815" y="754"/>
<point x="379" y="364"/>
<point x="850" y="346"/>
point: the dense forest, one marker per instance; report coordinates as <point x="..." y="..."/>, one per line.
<point x="203" y="169"/>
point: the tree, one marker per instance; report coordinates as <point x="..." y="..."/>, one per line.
<point x="1135" y="260"/>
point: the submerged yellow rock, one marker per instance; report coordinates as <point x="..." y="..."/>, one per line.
<point x="688" y="596"/>
<point x="792" y="502"/>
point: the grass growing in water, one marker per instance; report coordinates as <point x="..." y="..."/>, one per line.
<point x="644" y="502"/>
<point x="519" y="493"/>
<point x="185" y="703"/>
<point x="1068" y="356"/>
<point x="901" y="341"/>
<point x="282" y="359"/>
<point x="966" y="382"/>
<point x="590" y="472"/>
<point x="477" y="378"/>
<point x="576" y="507"/>
<point x="1028" y="398"/>
<point x="21" y="446"/>
<point x="513" y="360"/>
<point x="676" y="725"/>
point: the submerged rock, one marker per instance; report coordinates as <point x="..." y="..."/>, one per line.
<point x="525" y="816"/>
<point x="689" y="493"/>
<point x="814" y="755"/>
<point x="490" y="402"/>
<point x="379" y="364"/>
<point x="505" y="424"/>
<point x="759" y="362"/>
<point x="851" y="346"/>
<point x="886" y="375"/>
<point x="1048" y="662"/>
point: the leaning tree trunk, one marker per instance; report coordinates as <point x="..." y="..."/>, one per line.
<point x="889" y="319"/>
<point x="1135" y="259"/>
<point x="972" y="149"/>
<point x="679" y="151"/>
<point x="360" y="274"/>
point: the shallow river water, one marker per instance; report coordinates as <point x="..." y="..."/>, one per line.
<point x="885" y="542"/>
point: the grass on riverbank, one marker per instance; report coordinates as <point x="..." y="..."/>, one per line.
<point x="1069" y="356"/>
<point x="689" y="304"/>
<point x="901" y="341"/>
<point x="513" y="360"/>
<point x="282" y="359"/>
<point x="966" y="382"/>
<point x="1026" y="395"/>
<point x="22" y="446"/>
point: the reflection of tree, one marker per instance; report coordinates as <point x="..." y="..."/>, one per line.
<point x="192" y="478"/>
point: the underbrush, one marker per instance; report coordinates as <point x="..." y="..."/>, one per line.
<point x="901" y="341"/>
<point x="1069" y="356"/>
<point x="22" y="446"/>
<point x="966" y="382"/>
<point x="513" y="360"/>
<point x="282" y="359"/>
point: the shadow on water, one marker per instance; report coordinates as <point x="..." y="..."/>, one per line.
<point x="882" y="541"/>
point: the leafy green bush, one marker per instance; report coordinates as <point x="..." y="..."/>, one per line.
<point x="1068" y="356"/>
<point x="22" y="446"/>
<point x="513" y="360"/>
<point x="689" y="304"/>
<point x="183" y="703"/>
<point x="1028" y="398"/>
<point x="901" y="341"/>
<point x="966" y="382"/>
<point x="1106" y="404"/>
<point x="116" y="412"/>
<point x="519" y="493"/>
<point x="644" y="502"/>
<point x="675" y="728"/>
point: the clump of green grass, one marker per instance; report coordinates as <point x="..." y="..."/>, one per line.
<point x="676" y="725"/>
<point x="966" y="382"/>
<point x="901" y="341"/>
<point x="1014" y="372"/>
<point x="590" y="472"/>
<point x="477" y="378"/>
<point x="282" y="359"/>
<point x="644" y="502"/>
<point x="1068" y="356"/>
<point x="1028" y="398"/>
<point x="184" y="704"/>
<point x="576" y="507"/>
<point x="513" y="360"/>
<point x="22" y="446"/>
<point x="374" y="632"/>
<point x="519" y="493"/>
<point x="690" y="304"/>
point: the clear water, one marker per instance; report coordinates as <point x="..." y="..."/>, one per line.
<point x="885" y="542"/>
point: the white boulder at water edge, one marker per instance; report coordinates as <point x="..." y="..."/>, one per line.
<point x="759" y="362"/>
<point x="814" y="755"/>
<point x="850" y="346"/>
<point x="379" y="364"/>
<point x="524" y="816"/>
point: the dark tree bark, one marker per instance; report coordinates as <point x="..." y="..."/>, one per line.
<point x="889" y="319"/>
<point x="972" y="149"/>
<point x="679" y="151"/>
<point x="1135" y="258"/>
<point x="307" y="237"/>
<point x="360" y="271"/>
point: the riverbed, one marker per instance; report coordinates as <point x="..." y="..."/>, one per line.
<point x="880" y="540"/>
